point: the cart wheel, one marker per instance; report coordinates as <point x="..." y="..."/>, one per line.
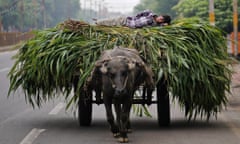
<point x="163" y="106"/>
<point x="85" y="111"/>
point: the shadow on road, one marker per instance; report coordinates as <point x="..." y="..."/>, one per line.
<point x="69" y="123"/>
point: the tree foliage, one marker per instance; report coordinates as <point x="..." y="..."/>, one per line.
<point x="194" y="8"/>
<point x="24" y="15"/>
<point x="158" y="6"/>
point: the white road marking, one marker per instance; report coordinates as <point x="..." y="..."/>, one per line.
<point x="57" y="109"/>
<point x="4" y="69"/>
<point x="32" y="135"/>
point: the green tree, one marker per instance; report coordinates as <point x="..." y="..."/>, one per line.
<point x="60" y="10"/>
<point x="194" y="8"/>
<point x="24" y="15"/>
<point x="9" y="16"/>
<point x="158" y="6"/>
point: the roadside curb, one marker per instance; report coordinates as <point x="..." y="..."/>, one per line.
<point x="6" y="48"/>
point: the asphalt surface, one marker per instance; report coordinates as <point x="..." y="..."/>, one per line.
<point x="51" y="124"/>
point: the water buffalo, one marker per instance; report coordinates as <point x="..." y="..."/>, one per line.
<point x="116" y="75"/>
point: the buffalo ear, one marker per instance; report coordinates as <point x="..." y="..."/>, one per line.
<point x="103" y="68"/>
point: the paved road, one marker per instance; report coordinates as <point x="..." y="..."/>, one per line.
<point x="51" y="124"/>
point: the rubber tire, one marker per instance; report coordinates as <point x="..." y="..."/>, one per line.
<point x="163" y="104"/>
<point x="84" y="112"/>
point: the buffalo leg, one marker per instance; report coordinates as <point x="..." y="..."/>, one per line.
<point x="124" y="120"/>
<point x="118" y="113"/>
<point x="110" y="119"/>
<point x="129" y="128"/>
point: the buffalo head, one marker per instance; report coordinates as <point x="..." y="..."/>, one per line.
<point x="119" y="73"/>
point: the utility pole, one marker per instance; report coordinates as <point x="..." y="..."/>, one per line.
<point x="85" y="8"/>
<point x="43" y="14"/>
<point x="235" y="27"/>
<point x="0" y="24"/>
<point x="35" y="13"/>
<point x="90" y="8"/>
<point x="96" y="10"/>
<point x="211" y="12"/>
<point x="22" y="15"/>
<point x="101" y="9"/>
<point x="68" y="9"/>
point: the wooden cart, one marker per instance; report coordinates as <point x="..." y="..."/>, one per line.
<point x="163" y="105"/>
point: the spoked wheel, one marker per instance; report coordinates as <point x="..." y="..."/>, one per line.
<point x="163" y="105"/>
<point x="85" y="110"/>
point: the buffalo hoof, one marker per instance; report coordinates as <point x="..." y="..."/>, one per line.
<point x="123" y="140"/>
<point x="116" y="135"/>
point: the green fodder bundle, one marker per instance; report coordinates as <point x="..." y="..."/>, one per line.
<point x="190" y="55"/>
